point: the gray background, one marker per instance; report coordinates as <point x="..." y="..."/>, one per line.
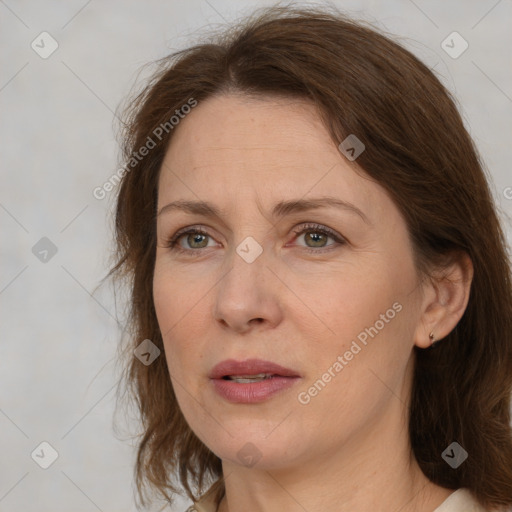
<point x="58" y="338"/>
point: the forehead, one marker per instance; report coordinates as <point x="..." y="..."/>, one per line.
<point x="232" y="125"/>
<point x="268" y="147"/>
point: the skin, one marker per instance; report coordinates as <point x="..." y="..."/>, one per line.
<point x="297" y="308"/>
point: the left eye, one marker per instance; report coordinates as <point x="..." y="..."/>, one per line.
<point x="317" y="236"/>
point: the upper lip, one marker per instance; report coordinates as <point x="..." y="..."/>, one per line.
<point x="249" y="367"/>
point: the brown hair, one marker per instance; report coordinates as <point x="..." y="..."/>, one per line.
<point x="416" y="148"/>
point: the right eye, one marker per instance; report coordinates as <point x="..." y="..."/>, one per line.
<point x="194" y="237"/>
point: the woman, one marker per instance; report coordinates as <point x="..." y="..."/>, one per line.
<point x="319" y="276"/>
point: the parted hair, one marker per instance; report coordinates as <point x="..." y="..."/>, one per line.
<point x="416" y="147"/>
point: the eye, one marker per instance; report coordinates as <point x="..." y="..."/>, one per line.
<point x="315" y="236"/>
<point x="195" y="238"/>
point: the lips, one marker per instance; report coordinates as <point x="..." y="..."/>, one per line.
<point x="248" y="368"/>
<point x="251" y="381"/>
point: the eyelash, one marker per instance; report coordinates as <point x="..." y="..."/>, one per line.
<point x="172" y="243"/>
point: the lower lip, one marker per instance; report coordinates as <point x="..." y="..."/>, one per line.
<point x="252" y="392"/>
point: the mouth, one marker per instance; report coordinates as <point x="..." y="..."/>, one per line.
<point x="252" y="380"/>
<point x="247" y="379"/>
<point x="250" y="369"/>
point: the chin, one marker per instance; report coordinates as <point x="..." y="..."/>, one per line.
<point x="252" y="447"/>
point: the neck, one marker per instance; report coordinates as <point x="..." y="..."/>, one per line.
<point x="395" y="487"/>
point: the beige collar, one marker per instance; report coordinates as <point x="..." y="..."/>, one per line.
<point x="460" y="500"/>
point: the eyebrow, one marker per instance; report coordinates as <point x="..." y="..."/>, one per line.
<point x="280" y="209"/>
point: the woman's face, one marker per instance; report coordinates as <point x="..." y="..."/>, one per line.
<point x="278" y="274"/>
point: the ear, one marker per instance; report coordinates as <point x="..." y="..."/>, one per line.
<point x="445" y="298"/>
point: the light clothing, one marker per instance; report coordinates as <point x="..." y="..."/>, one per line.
<point x="460" y="500"/>
<point x="206" y="503"/>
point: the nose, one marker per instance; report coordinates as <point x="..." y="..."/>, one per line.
<point x="248" y="295"/>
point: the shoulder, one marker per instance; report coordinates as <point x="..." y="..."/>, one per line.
<point x="202" y="506"/>
<point x="461" y="500"/>
<point x="207" y="502"/>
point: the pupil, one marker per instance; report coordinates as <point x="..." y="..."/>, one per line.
<point x="318" y="236"/>
<point x="196" y="238"/>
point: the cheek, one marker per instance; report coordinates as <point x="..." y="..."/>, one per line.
<point x="178" y="317"/>
<point x="367" y="319"/>
<point x="178" y="311"/>
<point x="346" y="301"/>
<point x="179" y="296"/>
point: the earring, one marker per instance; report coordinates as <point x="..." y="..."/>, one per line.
<point x="433" y="341"/>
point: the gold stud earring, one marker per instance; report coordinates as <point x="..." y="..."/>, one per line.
<point x="433" y="341"/>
